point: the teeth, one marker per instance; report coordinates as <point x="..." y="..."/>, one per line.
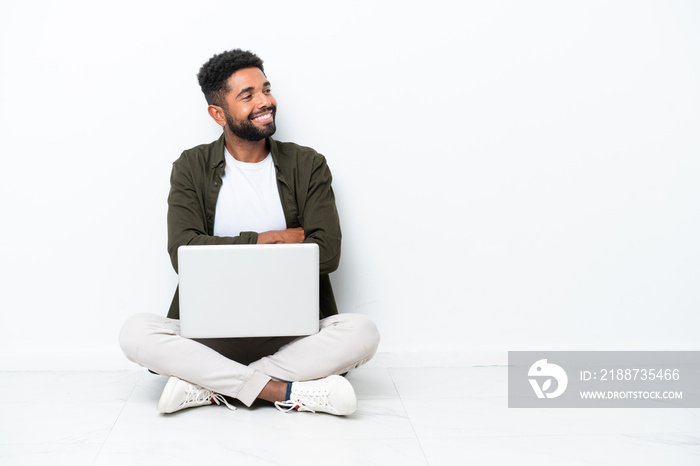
<point x="263" y="117"/>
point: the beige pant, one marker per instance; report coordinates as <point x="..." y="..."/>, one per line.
<point x="344" y="342"/>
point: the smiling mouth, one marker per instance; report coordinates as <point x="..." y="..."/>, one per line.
<point x="263" y="118"/>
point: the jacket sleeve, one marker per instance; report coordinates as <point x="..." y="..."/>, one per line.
<point x="188" y="211"/>
<point x="320" y="216"/>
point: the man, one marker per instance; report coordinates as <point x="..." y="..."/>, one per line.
<point x="246" y="187"/>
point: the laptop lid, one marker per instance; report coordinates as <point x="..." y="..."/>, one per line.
<point x="248" y="290"/>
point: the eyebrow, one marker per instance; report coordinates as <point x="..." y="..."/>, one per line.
<point x="251" y="88"/>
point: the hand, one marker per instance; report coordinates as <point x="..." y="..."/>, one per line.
<point x="288" y="236"/>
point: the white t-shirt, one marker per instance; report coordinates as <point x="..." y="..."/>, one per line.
<point x="249" y="199"/>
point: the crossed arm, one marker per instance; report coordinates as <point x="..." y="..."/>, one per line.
<point x="188" y="204"/>
<point x="290" y="235"/>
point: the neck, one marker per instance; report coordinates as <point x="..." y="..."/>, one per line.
<point x="245" y="151"/>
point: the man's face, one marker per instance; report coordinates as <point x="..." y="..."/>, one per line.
<point x="250" y="108"/>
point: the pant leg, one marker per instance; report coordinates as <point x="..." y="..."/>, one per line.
<point x="344" y="342"/>
<point x="154" y="342"/>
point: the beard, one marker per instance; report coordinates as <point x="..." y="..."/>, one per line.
<point x="246" y="130"/>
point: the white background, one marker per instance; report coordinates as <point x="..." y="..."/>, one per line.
<point x="510" y="175"/>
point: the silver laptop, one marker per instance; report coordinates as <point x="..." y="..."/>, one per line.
<point x="248" y="290"/>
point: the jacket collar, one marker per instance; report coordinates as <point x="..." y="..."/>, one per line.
<point x="219" y="159"/>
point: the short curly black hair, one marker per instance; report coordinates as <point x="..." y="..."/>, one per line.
<point x="214" y="74"/>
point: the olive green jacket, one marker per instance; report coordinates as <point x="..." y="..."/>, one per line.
<point x="304" y="182"/>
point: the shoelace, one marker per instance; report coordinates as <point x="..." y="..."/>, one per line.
<point x="286" y="406"/>
<point x="198" y="396"/>
<point x="289" y="405"/>
<point x="311" y="401"/>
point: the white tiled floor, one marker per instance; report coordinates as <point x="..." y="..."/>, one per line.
<point x="406" y="416"/>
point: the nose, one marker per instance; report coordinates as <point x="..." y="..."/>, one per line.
<point x="264" y="101"/>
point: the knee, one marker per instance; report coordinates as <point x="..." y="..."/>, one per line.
<point x="134" y="330"/>
<point x="366" y="333"/>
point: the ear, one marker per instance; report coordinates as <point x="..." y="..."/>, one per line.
<point x="217" y="113"/>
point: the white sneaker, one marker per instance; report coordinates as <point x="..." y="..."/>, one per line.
<point x="179" y="394"/>
<point x="332" y="395"/>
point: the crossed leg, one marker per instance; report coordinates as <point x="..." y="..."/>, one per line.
<point x="344" y="342"/>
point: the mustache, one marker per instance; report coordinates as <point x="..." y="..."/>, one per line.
<point x="264" y="110"/>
